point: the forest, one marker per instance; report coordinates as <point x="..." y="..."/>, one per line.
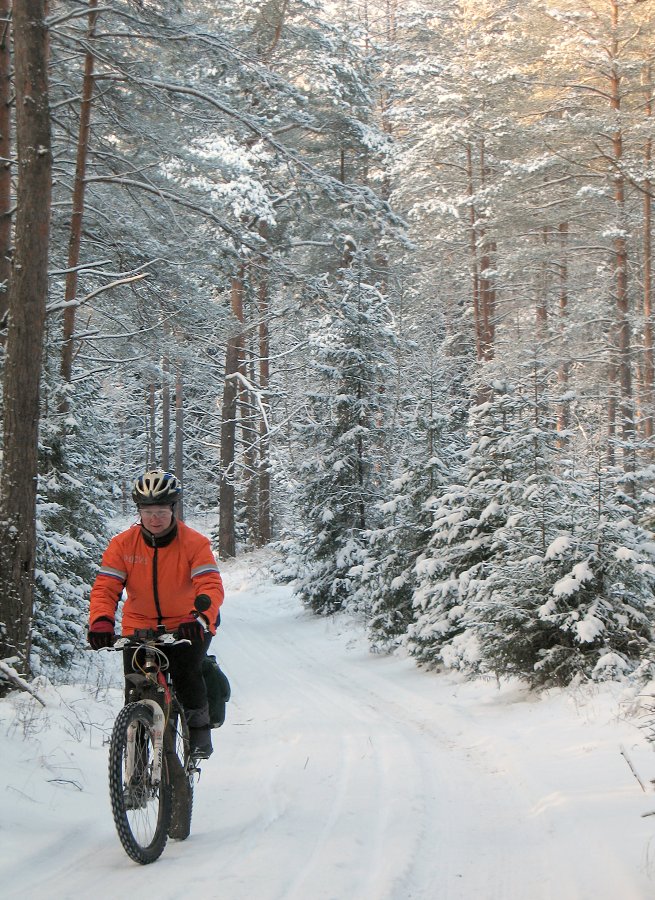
<point x="373" y="278"/>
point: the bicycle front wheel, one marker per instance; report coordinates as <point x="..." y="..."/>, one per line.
<point x="141" y="808"/>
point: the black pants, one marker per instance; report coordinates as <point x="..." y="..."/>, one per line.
<point x="184" y="663"/>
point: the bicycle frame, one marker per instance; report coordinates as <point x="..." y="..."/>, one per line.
<point x="150" y="779"/>
<point x="159" y="725"/>
<point x="151" y="675"/>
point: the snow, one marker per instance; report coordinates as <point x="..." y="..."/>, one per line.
<point x="566" y="586"/>
<point x="589" y="629"/>
<point x="559" y="546"/>
<point x="572" y="582"/>
<point x="341" y="775"/>
<point x="492" y="510"/>
<point x="625" y="553"/>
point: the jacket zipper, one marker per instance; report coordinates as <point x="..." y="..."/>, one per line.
<point x="155" y="589"/>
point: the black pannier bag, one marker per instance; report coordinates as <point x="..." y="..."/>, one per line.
<point x="218" y="690"/>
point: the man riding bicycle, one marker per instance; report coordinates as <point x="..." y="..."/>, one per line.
<point x="163" y="565"/>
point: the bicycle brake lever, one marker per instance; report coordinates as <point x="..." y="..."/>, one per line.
<point x="166" y="638"/>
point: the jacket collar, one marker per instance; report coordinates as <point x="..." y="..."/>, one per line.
<point x="160" y="540"/>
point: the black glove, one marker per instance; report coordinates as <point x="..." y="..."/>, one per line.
<point x="101" y="634"/>
<point x="192" y="630"/>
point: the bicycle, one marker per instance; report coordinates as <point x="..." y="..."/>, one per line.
<point x="151" y="768"/>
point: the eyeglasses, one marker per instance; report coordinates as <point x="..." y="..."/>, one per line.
<point x="155" y="511"/>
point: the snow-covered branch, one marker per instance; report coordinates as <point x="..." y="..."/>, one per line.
<point x="12" y="675"/>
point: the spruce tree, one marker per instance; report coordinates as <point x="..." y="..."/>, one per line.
<point x="343" y="438"/>
<point x="464" y="548"/>
<point x="577" y="605"/>
<point x="77" y="496"/>
<point x="388" y="573"/>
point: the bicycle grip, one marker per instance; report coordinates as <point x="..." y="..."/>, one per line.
<point x="202" y="603"/>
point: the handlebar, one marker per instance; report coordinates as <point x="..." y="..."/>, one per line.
<point x="147" y="636"/>
<point x="152" y="636"/>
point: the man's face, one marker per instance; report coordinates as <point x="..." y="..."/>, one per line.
<point x="156" y="518"/>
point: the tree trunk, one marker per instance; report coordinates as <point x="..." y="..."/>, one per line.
<point x="487" y="287"/>
<point x="75" y="239"/>
<point x="5" y="161"/>
<point x="151" y="450"/>
<point x="264" y="527"/>
<point x="622" y="365"/>
<point x="27" y="305"/>
<point x="278" y="15"/>
<point x="648" y="362"/>
<point x="612" y="397"/>
<point x="473" y="249"/>
<point x="233" y="355"/>
<point x="179" y="437"/>
<point x="125" y="484"/>
<point x="165" y="416"/>
<point x="563" y="368"/>
<point x="542" y="298"/>
<point x="250" y="432"/>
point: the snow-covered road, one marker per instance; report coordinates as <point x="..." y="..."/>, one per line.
<point x="343" y="776"/>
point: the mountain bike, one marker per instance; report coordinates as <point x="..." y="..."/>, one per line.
<point x="151" y="769"/>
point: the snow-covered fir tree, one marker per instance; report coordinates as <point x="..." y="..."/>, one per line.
<point x="423" y="458"/>
<point x="463" y="547"/>
<point x="527" y="572"/>
<point x="77" y="493"/>
<point x="344" y="467"/>
<point x="573" y="597"/>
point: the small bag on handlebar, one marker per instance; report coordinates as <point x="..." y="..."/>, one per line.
<point x="218" y="690"/>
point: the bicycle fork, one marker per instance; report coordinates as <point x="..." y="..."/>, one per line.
<point x="158" y="725"/>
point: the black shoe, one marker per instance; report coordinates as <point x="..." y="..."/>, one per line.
<point x="200" y="743"/>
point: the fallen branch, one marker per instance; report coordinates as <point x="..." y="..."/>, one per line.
<point x="632" y="768"/>
<point x="12" y="675"/>
<point x="75" y="784"/>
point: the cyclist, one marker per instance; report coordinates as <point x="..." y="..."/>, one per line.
<point x="163" y="565"/>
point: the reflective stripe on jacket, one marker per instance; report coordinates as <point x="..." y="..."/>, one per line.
<point x="161" y="583"/>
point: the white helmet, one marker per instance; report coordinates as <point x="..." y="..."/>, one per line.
<point x="156" y="488"/>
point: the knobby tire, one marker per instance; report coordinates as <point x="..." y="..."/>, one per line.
<point x="176" y="745"/>
<point x="142" y="827"/>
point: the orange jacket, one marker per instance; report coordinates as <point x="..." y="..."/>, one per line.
<point x="161" y="583"/>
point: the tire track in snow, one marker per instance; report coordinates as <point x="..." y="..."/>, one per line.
<point x="425" y="796"/>
<point x="397" y="778"/>
<point x="350" y="763"/>
<point x="344" y="776"/>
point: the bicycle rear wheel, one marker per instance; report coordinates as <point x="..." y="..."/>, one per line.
<point x="176" y="744"/>
<point x="141" y="809"/>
